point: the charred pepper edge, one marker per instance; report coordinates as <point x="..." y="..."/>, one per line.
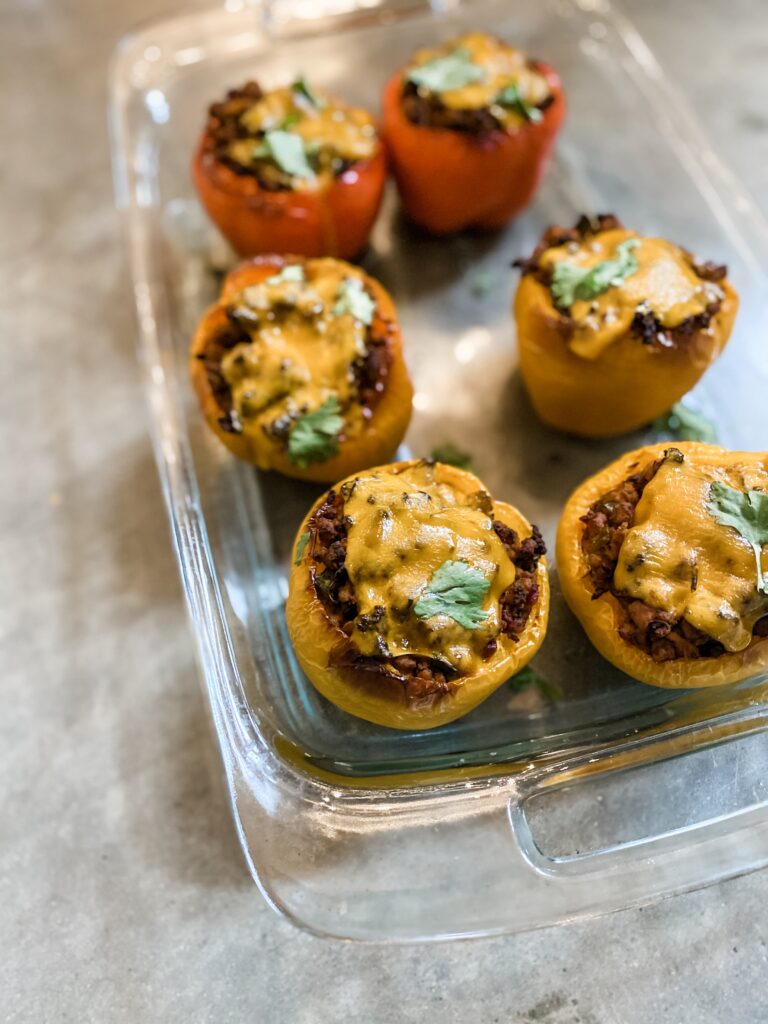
<point x="422" y="677"/>
<point x="223" y="126"/>
<point x="429" y="111"/>
<point x="370" y="372"/>
<point x="645" y="325"/>
<point x="652" y="630"/>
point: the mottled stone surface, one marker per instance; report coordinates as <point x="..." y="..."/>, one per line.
<point x="124" y="897"/>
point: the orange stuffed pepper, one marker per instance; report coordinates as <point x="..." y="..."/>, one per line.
<point x="290" y="170"/>
<point x="299" y="368"/>
<point x="613" y="328"/>
<point x="414" y="595"/>
<point x="469" y="126"/>
<point x="662" y="556"/>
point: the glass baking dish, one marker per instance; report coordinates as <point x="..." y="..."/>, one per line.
<point x="531" y="810"/>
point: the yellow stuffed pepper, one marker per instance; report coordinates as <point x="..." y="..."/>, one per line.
<point x="299" y="368"/>
<point x="662" y="556"/>
<point x="413" y="595"/>
<point x="614" y="328"/>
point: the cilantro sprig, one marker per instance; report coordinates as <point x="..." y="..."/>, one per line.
<point x="685" y="424"/>
<point x="314" y="438"/>
<point x="747" y="513"/>
<point x="452" y="71"/>
<point x="291" y="272"/>
<point x="287" y="150"/>
<point x="303" y="88"/>
<point x="570" y="282"/>
<point x="352" y="298"/>
<point x="458" y="591"/>
<point x="452" y="455"/>
<point x="510" y="96"/>
<point x="301" y="545"/>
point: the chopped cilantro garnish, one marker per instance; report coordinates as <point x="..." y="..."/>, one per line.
<point x="570" y="282"/>
<point x="302" y="86"/>
<point x="510" y="96"/>
<point x="353" y="299"/>
<point x="747" y="513"/>
<point x="287" y="150"/>
<point x="686" y="425"/>
<point x="314" y="438"/>
<point x="291" y="272"/>
<point x="453" y="71"/>
<point x="301" y="545"/>
<point x="530" y="677"/>
<point x="451" y="455"/>
<point x="289" y="121"/>
<point x="456" y="590"/>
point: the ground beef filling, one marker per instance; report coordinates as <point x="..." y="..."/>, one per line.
<point x="645" y="325"/>
<point x="370" y="371"/>
<point x="224" y="126"/>
<point x="422" y="678"/>
<point x="429" y="111"/>
<point x="658" y="633"/>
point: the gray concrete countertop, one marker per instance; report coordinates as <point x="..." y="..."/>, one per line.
<point x="124" y="896"/>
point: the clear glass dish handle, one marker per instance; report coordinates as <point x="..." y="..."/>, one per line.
<point x="724" y="829"/>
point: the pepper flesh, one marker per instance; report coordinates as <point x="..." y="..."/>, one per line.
<point x="316" y="637"/>
<point x="381" y="433"/>
<point x="450" y="180"/>
<point x="601" y="618"/>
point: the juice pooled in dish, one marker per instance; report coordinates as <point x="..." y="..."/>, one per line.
<point x="662" y="556"/>
<point x="299" y="368"/>
<point x="290" y="170"/>
<point x="469" y="126"/>
<point x="414" y="595"/>
<point x="613" y="327"/>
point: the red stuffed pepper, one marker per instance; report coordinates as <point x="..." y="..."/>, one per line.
<point x="291" y="170"/>
<point x="469" y="126"/>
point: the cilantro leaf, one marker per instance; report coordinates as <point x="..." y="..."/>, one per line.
<point x="456" y="590"/>
<point x="510" y="96"/>
<point x="353" y="299"/>
<point x="301" y="545"/>
<point x="290" y="272"/>
<point x="747" y="513"/>
<point x="530" y="677"/>
<point x="302" y="86"/>
<point x="686" y="425"/>
<point x="314" y="437"/>
<point x="451" y="455"/>
<point x="453" y="71"/>
<point x="287" y="150"/>
<point x="570" y="282"/>
<point x="289" y="121"/>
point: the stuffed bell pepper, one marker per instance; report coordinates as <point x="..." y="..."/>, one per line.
<point x="613" y="328"/>
<point x="469" y="126"/>
<point x="662" y="556"/>
<point x="290" y="170"/>
<point x="414" y="595"/>
<point x="299" y="368"/>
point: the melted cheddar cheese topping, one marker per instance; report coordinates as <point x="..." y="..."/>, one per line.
<point x="677" y="557"/>
<point x="300" y="351"/>
<point x="664" y="284"/>
<point x="332" y="133"/>
<point x="502" y="66"/>
<point x="403" y="526"/>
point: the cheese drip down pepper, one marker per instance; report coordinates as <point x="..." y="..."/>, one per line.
<point x="292" y="170"/>
<point x="299" y="367"/>
<point x="614" y="328"/>
<point x="469" y="126"/>
<point x="412" y="628"/>
<point x="665" y="589"/>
